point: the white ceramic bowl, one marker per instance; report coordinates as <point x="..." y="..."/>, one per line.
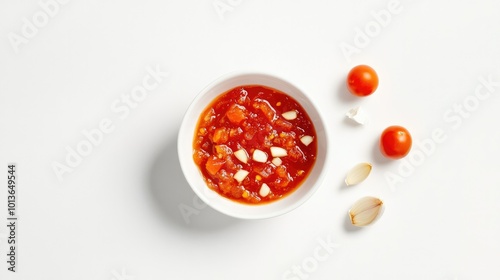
<point x="193" y="174"/>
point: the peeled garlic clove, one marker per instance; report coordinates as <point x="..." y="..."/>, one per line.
<point x="264" y="190"/>
<point x="240" y="175"/>
<point x="358" y="115"/>
<point x="365" y="211"/>
<point x="358" y="173"/>
<point x="290" y="115"/>
<point x="259" y="156"/>
<point x="306" y="140"/>
<point x="277" y="161"/>
<point x="278" y="152"/>
<point x="241" y="155"/>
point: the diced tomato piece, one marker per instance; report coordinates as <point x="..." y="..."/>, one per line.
<point x="199" y="156"/>
<point x="235" y="132"/>
<point x="269" y="127"/>
<point x="236" y="113"/>
<point x="226" y="181"/>
<point x="225" y="186"/>
<point x="242" y="99"/>
<point x="209" y="117"/>
<point x="250" y="133"/>
<point x="214" y="164"/>
<point x="254" y="198"/>
<point x="231" y="166"/>
<point x="221" y="135"/>
<point x="282" y="182"/>
<point x="223" y="151"/>
<point x="237" y="191"/>
<point x="224" y="175"/>
<point x="246" y="124"/>
<point x="198" y="141"/>
<point x="267" y="142"/>
<point x="290" y="142"/>
<point x="206" y="146"/>
<point x="281" y="171"/>
<point x="284" y="125"/>
<point x="296" y="154"/>
<point x="284" y="177"/>
<point x="264" y="170"/>
<point x="286" y="139"/>
<point x="266" y="108"/>
<point x="211" y="184"/>
<point x="202" y="131"/>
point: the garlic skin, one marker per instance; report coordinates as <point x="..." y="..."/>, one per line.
<point x="358" y="115"/>
<point x="365" y="211"/>
<point x="358" y="173"/>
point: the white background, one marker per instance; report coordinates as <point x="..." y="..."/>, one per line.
<point x="116" y="214"/>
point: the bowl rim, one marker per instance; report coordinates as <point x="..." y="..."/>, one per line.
<point x="184" y="161"/>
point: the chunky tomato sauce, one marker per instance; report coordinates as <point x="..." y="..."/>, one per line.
<point x="254" y="144"/>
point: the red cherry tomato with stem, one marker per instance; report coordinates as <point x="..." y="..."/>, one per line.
<point x="395" y="142"/>
<point x="362" y="80"/>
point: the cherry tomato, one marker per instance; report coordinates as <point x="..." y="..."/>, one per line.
<point x="362" y="80"/>
<point x="395" y="142"/>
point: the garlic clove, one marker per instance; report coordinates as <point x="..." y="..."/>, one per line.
<point x="259" y="156"/>
<point x="358" y="173"/>
<point x="240" y="175"/>
<point x="306" y="140"/>
<point x="264" y="190"/>
<point x="278" y="152"/>
<point x="365" y="211"/>
<point x="290" y="115"/>
<point x="358" y="115"/>
<point x="277" y="161"/>
<point x="241" y="155"/>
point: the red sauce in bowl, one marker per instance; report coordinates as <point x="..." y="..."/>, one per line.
<point x="254" y="144"/>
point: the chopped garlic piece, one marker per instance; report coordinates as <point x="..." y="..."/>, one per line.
<point x="241" y="155"/>
<point x="277" y="161"/>
<point x="240" y="175"/>
<point x="259" y="156"/>
<point x="264" y="190"/>
<point x="306" y="140"/>
<point x="290" y="115"/>
<point x="358" y="115"/>
<point x="278" y="152"/>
